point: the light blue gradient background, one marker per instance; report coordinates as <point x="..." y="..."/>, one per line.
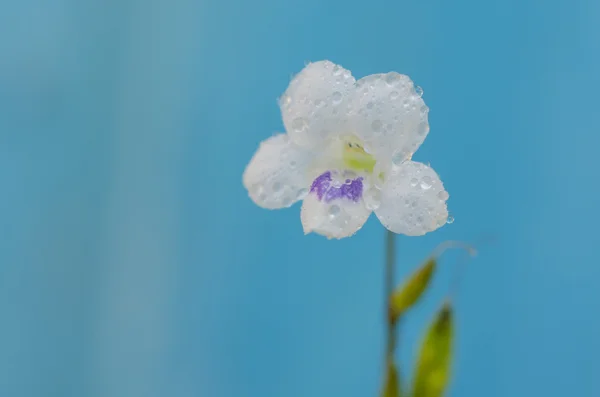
<point x="132" y="262"/>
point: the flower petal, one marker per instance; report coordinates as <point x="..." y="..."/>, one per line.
<point x="413" y="200"/>
<point x="389" y="115"/>
<point x="276" y="176"/>
<point x="314" y="106"/>
<point x="334" y="207"/>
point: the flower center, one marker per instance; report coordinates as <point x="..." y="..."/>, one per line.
<point x="356" y="158"/>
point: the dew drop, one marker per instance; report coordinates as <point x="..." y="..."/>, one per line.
<point x="334" y="210"/>
<point x="450" y="219"/>
<point x="276" y="186"/>
<point x="286" y="100"/>
<point x="293" y="164"/>
<point x="419" y="91"/>
<point x="426" y="182"/>
<point x="370" y="105"/>
<point x="392" y="78"/>
<point x="299" y="124"/>
<point x="399" y="157"/>
<point x="376" y="125"/>
<point x="348" y="174"/>
<point x="443" y="195"/>
<point x="319" y="103"/>
<point x="337" y="70"/>
<point x="336" y="97"/>
<point x="372" y="198"/>
<point x="414" y="182"/>
<point x="394" y="95"/>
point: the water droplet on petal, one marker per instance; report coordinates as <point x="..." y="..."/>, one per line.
<point x="336" y="97"/>
<point x="443" y="195"/>
<point x="293" y="164"/>
<point x="376" y="125"/>
<point x="426" y="182"/>
<point x="392" y="78"/>
<point x="299" y="124"/>
<point x="337" y="70"/>
<point x="399" y="157"/>
<point x="348" y="174"/>
<point x="414" y="182"/>
<point x="394" y="95"/>
<point x="286" y="100"/>
<point x="372" y="198"/>
<point x="319" y="103"/>
<point x="276" y="186"/>
<point x="450" y="219"/>
<point x="419" y="91"/>
<point x="334" y="210"/>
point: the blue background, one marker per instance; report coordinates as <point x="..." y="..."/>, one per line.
<point x="132" y="262"/>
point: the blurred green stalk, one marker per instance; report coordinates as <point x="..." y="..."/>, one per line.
<point x="390" y="260"/>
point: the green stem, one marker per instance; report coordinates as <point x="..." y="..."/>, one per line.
<point x="390" y="260"/>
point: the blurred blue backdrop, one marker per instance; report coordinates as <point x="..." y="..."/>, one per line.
<point x="132" y="262"/>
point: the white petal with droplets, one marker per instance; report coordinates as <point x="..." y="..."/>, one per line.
<point x="276" y="176"/>
<point x="314" y="106"/>
<point x="413" y="200"/>
<point x="389" y="115"/>
<point x="334" y="219"/>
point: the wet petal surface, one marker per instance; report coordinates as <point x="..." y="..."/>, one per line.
<point x="389" y="115"/>
<point x="334" y="206"/>
<point x="413" y="200"/>
<point x="314" y="107"/>
<point x="276" y="177"/>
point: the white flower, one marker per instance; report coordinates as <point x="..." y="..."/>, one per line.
<point x="347" y="152"/>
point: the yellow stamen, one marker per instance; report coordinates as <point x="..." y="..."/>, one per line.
<point x="356" y="158"/>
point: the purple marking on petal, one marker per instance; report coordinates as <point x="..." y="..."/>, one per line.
<point x="321" y="184"/>
<point x="324" y="189"/>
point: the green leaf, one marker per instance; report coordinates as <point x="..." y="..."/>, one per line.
<point x="404" y="297"/>
<point x="391" y="387"/>
<point x="433" y="365"/>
